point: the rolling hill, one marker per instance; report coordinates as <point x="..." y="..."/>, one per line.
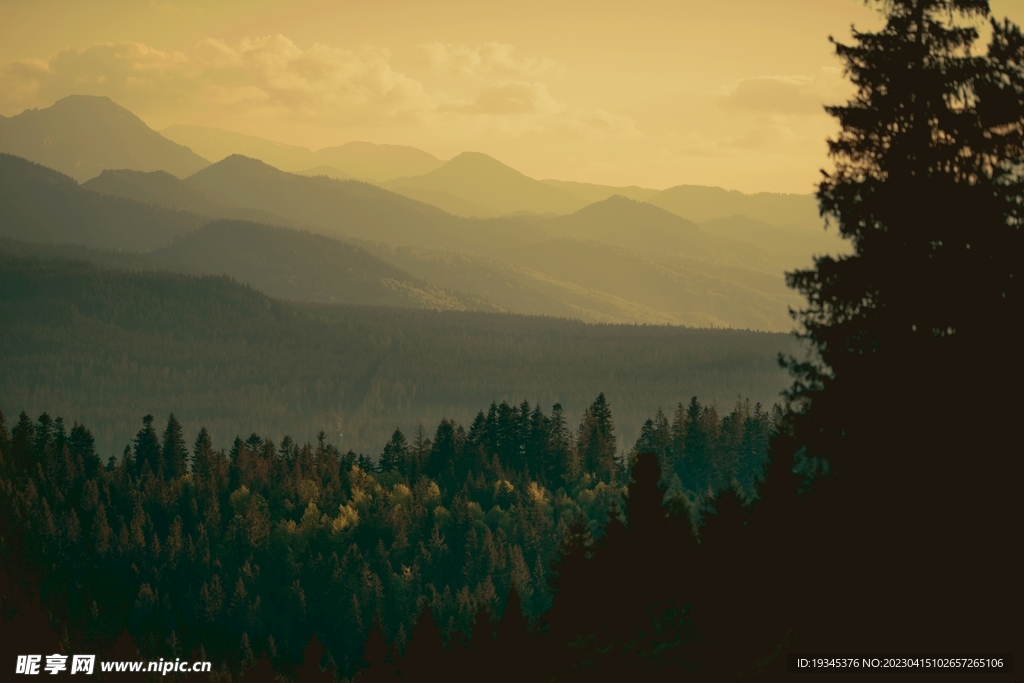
<point x="81" y="136"/>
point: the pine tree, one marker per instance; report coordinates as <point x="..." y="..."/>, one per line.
<point x="597" y="444"/>
<point x="174" y="451"/>
<point x="147" y="448"/>
<point x="396" y="454"/>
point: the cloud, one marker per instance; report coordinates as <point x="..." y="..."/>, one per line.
<point x="786" y="95"/>
<point x="259" y="76"/>
<point x="510" y="97"/>
<point x="771" y="94"/>
<point x="483" y="61"/>
<point x="272" y="79"/>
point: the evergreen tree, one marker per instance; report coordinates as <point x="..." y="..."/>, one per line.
<point x="924" y="315"/>
<point x="597" y="444"/>
<point x="147" y="448"/>
<point x="174" y="451"/>
<point x="311" y="671"/>
<point x="396" y="454"/>
<point x="425" y="654"/>
<point x="376" y="662"/>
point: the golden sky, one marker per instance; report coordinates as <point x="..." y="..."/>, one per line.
<point x="646" y="92"/>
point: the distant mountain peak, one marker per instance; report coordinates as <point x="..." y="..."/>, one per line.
<point x="82" y="135"/>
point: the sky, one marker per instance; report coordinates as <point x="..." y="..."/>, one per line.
<point x="648" y="92"/>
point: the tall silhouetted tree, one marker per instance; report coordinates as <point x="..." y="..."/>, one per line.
<point x="924" y="316"/>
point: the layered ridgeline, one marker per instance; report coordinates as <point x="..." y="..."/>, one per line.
<point x="596" y="253"/>
<point x="104" y="344"/>
<point x="170" y="228"/>
<point x="669" y="271"/>
<point x="617" y="260"/>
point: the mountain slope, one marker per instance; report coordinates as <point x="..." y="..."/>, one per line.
<point x="81" y="135"/>
<point x="345" y="208"/>
<point x="42" y="205"/>
<point x="684" y="295"/>
<point x="163" y="189"/>
<point x="487" y="182"/>
<point x="699" y="204"/>
<point x="301" y="266"/>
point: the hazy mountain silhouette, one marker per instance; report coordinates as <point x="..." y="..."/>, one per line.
<point x="301" y="266"/>
<point x="485" y="181"/>
<point x="82" y="135"/>
<point x="354" y="159"/>
<point x="163" y="189"/>
<point x="699" y="204"/>
<point x="343" y="208"/>
<point x="590" y="192"/>
<point x="42" y="205"/>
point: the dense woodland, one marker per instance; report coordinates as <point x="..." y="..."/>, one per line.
<point x="230" y="554"/>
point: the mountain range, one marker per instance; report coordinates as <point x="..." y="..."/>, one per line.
<point x="467" y="234"/>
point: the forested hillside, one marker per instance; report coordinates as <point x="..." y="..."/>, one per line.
<point x="103" y="342"/>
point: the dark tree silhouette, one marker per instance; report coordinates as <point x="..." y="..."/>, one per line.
<point x="377" y="662"/>
<point x="425" y="656"/>
<point x="923" y="317"/>
<point x="310" y="670"/>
